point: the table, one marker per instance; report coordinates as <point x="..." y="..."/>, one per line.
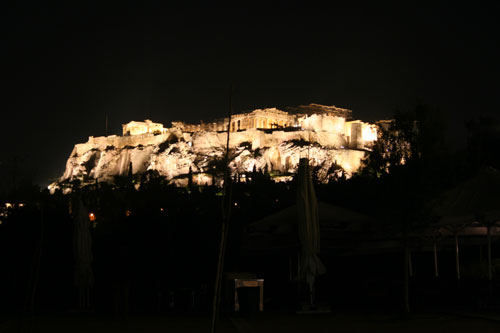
<point x="239" y="283"/>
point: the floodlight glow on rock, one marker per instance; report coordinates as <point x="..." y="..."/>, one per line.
<point x="263" y="139"/>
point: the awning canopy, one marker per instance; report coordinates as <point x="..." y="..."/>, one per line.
<point x="474" y="200"/>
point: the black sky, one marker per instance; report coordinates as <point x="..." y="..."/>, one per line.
<point x="68" y="66"/>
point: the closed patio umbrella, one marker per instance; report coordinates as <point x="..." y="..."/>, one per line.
<point x="308" y="228"/>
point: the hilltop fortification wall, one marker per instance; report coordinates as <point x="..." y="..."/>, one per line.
<point x="269" y="139"/>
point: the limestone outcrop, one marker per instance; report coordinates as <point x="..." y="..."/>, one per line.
<point x="263" y="139"/>
<point x="200" y="155"/>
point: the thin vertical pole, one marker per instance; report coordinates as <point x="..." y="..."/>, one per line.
<point x="410" y="265"/>
<point x="457" y="256"/>
<point x="36" y="264"/>
<point x="226" y="211"/>
<point x="480" y="253"/>
<point x="490" y="274"/>
<point x="406" y="282"/>
<point x="298" y="264"/>
<point x="311" y="293"/>
<point x="436" y="272"/>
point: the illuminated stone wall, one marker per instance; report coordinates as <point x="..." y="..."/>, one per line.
<point x="142" y="127"/>
<point x="328" y="138"/>
<point x="312" y="117"/>
<point x="360" y="135"/>
<point x="320" y="122"/>
<point x="173" y="153"/>
<point x="259" y="118"/>
<point x="328" y="110"/>
<point x="262" y="118"/>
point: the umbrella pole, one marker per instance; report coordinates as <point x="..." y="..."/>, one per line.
<point x="410" y="265"/>
<point x="436" y="272"/>
<point x="311" y="291"/>
<point x="299" y="291"/>
<point x="406" y="286"/>
<point x="226" y="212"/>
<point x="298" y="264"/>
<point x="490" y="273"/>
<point x="480" y="253"/>
<point x="457" y="257"/>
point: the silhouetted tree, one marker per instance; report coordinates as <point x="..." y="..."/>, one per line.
<point x="407" y="160"/>
<point x="483" y="140"/>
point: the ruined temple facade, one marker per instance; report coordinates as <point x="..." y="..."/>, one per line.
<point x="259" y="118"/>
<point x="263" y="139"/>
<point x="267" y="118"/>
<point x="313" y="117"/>
<point x="142" y="127"/>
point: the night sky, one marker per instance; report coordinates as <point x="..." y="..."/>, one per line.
<point x="65" y="67"/>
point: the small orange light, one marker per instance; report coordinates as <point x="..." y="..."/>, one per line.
<point x="162" y="209"/>
<point x="128" y="212"/>
<point x="91" y="216"/>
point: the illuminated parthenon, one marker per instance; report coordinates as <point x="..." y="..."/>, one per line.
<point x="142" y="127"/>
<point x="312" y="117"/>
<point x="281" y="138"/>
<point x="260" y="118"/>
<point x="267" y="118"/>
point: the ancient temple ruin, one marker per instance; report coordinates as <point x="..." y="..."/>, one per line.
<point x="270" y="139"/>
<point x="142" y="127"/>
<point x="267" y="118"/>
<point x="313" y="117"/>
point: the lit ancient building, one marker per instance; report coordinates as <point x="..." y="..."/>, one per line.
<point x="326" y="134"/>
<point x="353" y="134"/>
<point x="326" y="110"/>
<point x="270" y="118"/>
<point x="359" y="134"/>
<point x="142" y="127"/>
<point x="262" y="118"/>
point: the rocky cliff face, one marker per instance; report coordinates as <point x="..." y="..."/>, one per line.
<point x="177" y="156"/>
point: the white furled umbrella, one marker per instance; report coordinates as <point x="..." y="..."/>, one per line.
<point x="82" y="242"/>
<point x="308" y="228"/>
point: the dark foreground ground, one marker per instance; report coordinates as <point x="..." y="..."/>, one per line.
<point x="259" y="322"/>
